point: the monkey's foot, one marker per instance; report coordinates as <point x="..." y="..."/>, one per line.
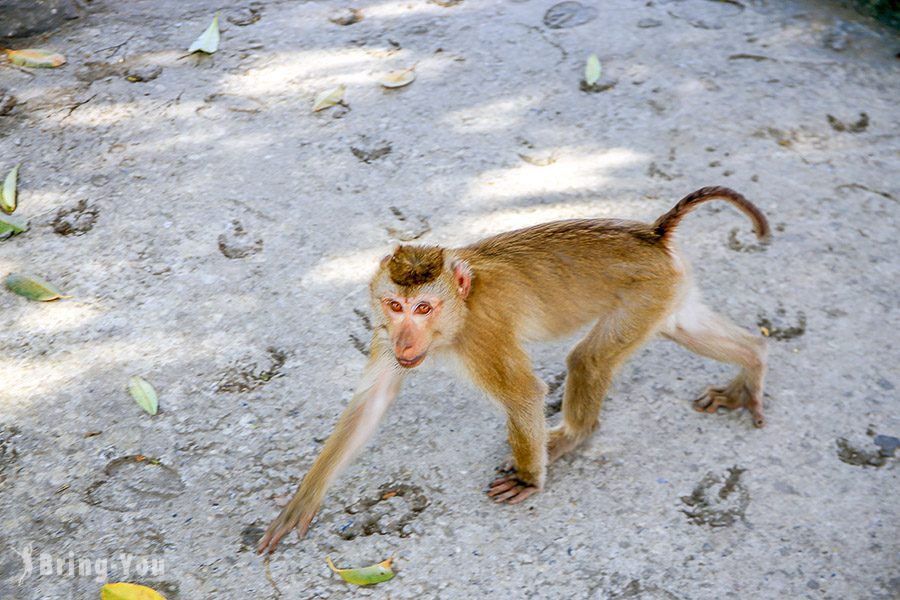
<point x="736" y="395"/>
<point x="510" y="489"/>
<point x="560" y="442"/>
<point x="290" y="518"/>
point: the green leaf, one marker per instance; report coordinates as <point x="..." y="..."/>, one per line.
<point x="208" y="41"/>
<point x="128" y="591"/>
<point x="365" y="575"/>
<point x="8" y="193"/>
<point x="9" y="223"/>
<point x="33" y="287"/>
<point x="592" y="70"/>
<point x="144" y="394"/>
<point x="36" y="58"/>
<point x="328" y="98"/>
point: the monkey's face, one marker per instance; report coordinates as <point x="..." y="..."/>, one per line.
<point x="419" y="295"/>
<point x="412" y="322"/>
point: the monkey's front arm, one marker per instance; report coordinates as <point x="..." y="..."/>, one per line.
<point x="377" y="390"/>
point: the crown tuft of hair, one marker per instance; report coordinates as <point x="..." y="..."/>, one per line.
<point x="415" y="265"/>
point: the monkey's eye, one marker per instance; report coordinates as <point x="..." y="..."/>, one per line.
<point x="423" y="308"/>
<point x="395" y="306"/>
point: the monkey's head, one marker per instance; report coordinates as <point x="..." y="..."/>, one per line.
<point x="418" y="296"/>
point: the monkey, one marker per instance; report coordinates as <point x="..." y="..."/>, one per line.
<point x="479" y="303"/>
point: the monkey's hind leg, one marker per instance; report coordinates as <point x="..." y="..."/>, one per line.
<point x="591" y="366"/>
<point x="699" y="329"/>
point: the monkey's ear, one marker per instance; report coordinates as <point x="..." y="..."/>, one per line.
<point x="462" y="275"/>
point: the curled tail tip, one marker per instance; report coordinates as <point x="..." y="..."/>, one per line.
<point x="666" y="223"/>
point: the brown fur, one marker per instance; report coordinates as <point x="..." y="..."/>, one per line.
<point x="411" y="266"/>
<point x="622" y="278"/>
<point x="668" y="221"/>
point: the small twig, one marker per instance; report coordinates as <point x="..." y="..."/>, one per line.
<point x="75" y="106"/>
<point x="116" y="48"/>
<point x="269" y="577"/>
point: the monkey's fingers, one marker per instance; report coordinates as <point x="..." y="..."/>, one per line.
<point x="281" y="526"/>
<point x="512" y="492"/>
<point x="510" y="489"/>
<point x="523" y="494"/>
<point x="502" y="484"/>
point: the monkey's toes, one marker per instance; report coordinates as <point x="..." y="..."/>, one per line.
<point x="716" y="398"/>
<point x="510" y="489"/>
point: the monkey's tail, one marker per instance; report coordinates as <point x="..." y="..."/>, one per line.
<point x="667" y="222"/>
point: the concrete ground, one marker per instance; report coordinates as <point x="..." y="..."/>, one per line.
<point x="216" y="237"/>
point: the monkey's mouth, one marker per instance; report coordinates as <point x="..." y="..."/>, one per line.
<point x="409" y="363"/>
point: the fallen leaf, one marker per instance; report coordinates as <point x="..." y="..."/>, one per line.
<point x="389" y="494"/>
<point x="8" y="193"/>
<point x="11" y="224"/>
<point x="398" y="79"/>
<point x="208" y="41"/>
<point x="592" y="70"/>
<point x="365" y="575"/>
<point x="144" y="394"/>
<point x="764" y="331"/>
<point x="33" y="287"/>
<point x="36" y="58"/>
<point x="538" y="161"/>
<point x="89" y="434"/>
<point x="329" y="98"/>
<point x="128" y="591"/>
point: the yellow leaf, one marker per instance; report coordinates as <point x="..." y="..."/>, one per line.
<point x="128" y="591"/>
<point x="365" y="575"/>
<point x="329" y="98"/>
<point x="36" y="58"/>
<point x="398" y="79"/>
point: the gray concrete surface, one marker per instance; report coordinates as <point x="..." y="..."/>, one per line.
<point x="217" y="237"/>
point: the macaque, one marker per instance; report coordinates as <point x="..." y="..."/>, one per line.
<point x="481" y="302"/>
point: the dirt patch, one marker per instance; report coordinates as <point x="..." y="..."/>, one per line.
<point x="738" y="246"/>
<point x="858" y="126"/>
<point x="250" y="536"/>
<point x="7" y="102"/>
<point x="8" y="453"/>
<point x="76" y="220"/>
<point x="778" y="328"/>
<point x="360" y="342"/>
<point x="247" y="376"/>
<point x="718" y="501"/>
<point x="131" y="481"/>
<point x="389" y="512"/>
<point x="887" y="447"/>
<point x="554" y="399"/>
<point x="237" y="244"/>
<point x="368" y="152"/>
<point x="406" y="230"/>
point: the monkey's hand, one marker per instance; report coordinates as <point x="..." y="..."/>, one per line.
<point x="298" y="514"/>
<point x="512" y="487"/>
